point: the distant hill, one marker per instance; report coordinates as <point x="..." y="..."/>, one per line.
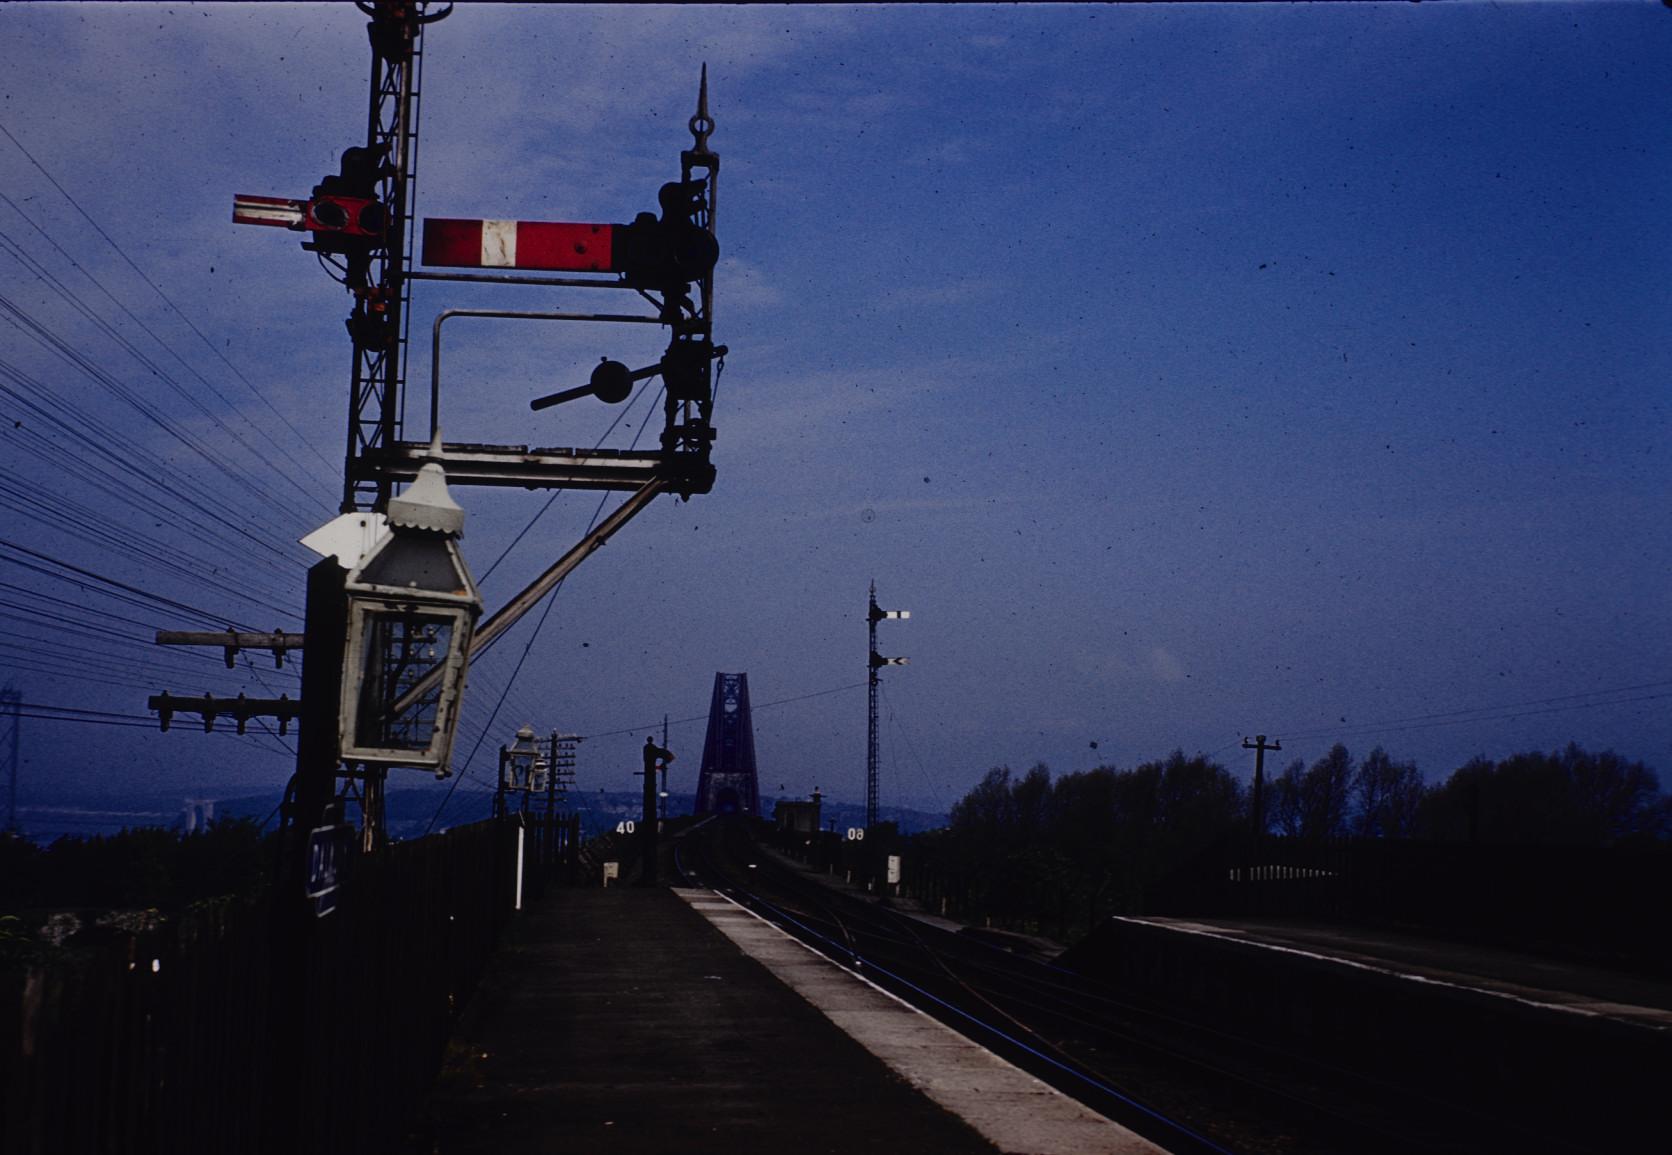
<point x="409" y="811"/>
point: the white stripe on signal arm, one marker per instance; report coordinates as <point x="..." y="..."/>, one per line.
<point x="499" y="244"/>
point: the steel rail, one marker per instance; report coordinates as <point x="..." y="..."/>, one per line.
<point x="1153" y="1124"/>
<point x="1048" y="998"/>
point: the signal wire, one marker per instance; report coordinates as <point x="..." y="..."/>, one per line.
<point x="541" y="513"/>
<point x="900" y="727"/>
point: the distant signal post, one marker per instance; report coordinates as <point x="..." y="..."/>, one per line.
<point x="875" y="615"/>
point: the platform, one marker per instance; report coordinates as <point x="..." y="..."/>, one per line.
<point x="1563" y="1056"/>
<point x="1547" y="983"/>
<point x="631" y="1021"/>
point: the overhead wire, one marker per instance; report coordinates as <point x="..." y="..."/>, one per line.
<point x="1493" y="713"/>
<point x="68" y="626"/>
<point x="225" y="400"/>
<point x="186" y="661"/>
<point x="74" y="519"/>
<point x="7" y="244"/>
<point x="95" y="476"/>
<point x="127" y="675"/>
<point x="70" y="354"/>
<point x="208" y="344"/>
<point x="1500" y="712"/>
<point x="704" y="717"/>
<point x="45" y="712"/>
<point x="95" y="611"/>
<point x="97" y="675"/>
<point x="189" y="611"/>
<point x="146" y="468"/>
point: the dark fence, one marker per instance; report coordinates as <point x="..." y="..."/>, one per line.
<point x="552" y="852"/>
<point x="220" y="1030"/>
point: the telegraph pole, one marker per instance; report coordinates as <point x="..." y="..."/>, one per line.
<point x="1257" y="819"/>
<point x="11" y="707"/>
<point x="551" y="780"/>
<point x="560" y="773"/>
<point x="872" y="617"/>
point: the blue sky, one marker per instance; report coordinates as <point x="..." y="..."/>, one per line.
<point x="1187" y="371"/>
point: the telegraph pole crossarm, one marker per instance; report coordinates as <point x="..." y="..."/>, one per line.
<point x="232" y="641"/>
<point x="241" y="708"/>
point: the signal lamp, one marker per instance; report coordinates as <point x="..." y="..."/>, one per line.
<point x="412" y="608"/>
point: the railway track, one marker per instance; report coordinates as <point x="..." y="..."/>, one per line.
<point x="1185" y="1087"/>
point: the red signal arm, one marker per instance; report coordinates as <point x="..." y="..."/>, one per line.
<point x="548" y="245"/>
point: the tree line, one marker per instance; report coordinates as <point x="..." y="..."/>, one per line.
<point x="1567" y="797"/>
<point x="1059" y="853"/>
<point x="138" y="868"/>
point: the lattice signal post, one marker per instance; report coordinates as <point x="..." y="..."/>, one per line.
<point x="360" y="224"/>
<point x="877" y="661"/>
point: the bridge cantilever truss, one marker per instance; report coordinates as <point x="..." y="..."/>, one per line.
<point x="727" y="783"/>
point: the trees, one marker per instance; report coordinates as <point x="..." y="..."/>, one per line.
<point x="1098" y="841"/>
<point x="1087" y="842"/>
<point x="1568" y="797"/>
<point x="1314" y="803"/>
<point x="1283" y="801"/>
<point x="984" y="812"/>
<point x="1386" y="797"/>
<point x="1196" y="802"/>
<point x="140" y="867"/>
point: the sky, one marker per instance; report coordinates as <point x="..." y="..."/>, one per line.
<point x="1189" y="372"/>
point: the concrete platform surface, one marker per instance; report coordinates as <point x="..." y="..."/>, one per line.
<point x="1018" y="1113"/>
<point x="1542" y="982"/>
<point x="622" y="1021"/>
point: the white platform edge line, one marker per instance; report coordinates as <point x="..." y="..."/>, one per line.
<point x="1130" y="1141"/>
<point x="1392" y="972"/>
